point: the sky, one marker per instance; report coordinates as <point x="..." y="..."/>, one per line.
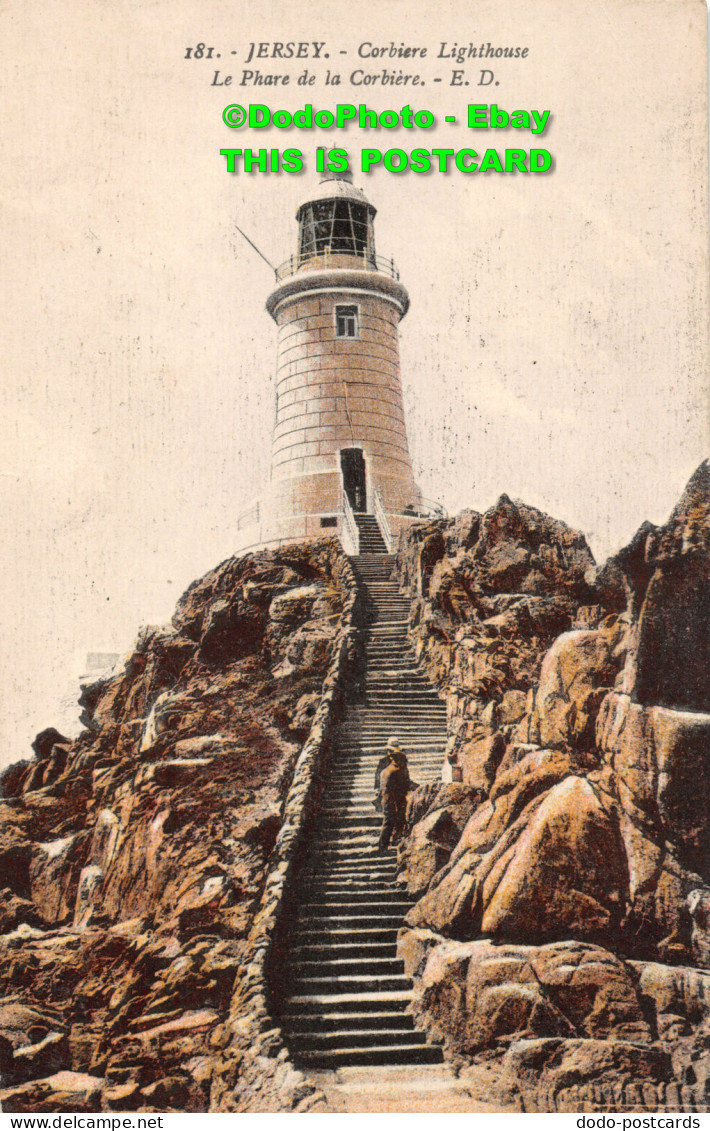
<point x="556" y="345"/>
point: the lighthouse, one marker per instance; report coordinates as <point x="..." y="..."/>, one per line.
<point x="340" y="461"/>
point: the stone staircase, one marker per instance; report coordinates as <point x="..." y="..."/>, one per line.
<point x="347" y="991"/>
<point x="371" y="540"/>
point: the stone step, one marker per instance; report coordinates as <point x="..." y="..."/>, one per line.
<point x="365" y="791"/>
<point x="376" y="737"/>
<point x="368" y="759"/>
<point x="356" y="727"/>
<point x="378" y="897"/>
<point x="382" y="701"/>
<point x="390" y="601"/>
<point x="404" y="680"/>
<point x="385" y="699"/>
<point x="345" y="831"/>
<point x="422" y="745"/>
<point x="382" y="632"/>
<point x="377" y="687"/>
<point x="346" y="869"/>
<point x="392" y="660"/>
<point x="397" y="622"/>
<point x="428" y="748"/>
<point x="366" y="786"/>
<point x="362" y="762"/>
<point x="329" y="1022"/>
<point x="349" y="983"/>
<point x="365" y="853"/>
<point x="387" y="665"/>
<point x="375" y="750"/>
<point x="391" y="618"/>
<point x="379" y="714"/>
<point x="386" y="869"/>
<point x="375" y="1055"/>
<point x="331" y="952"/>
<point x="335" y="889"/>
<point x="353" y="825"/>
<point x="389" y="636"/>
<point x="388" y="648"/>
<point x="380" y="711"/>
<point x="388" y="641"/>
<point x="312" y="922"/>
<point x="328" y="926"/>
<point x="401" y="722"/>
<point x="303" y="968"/>
<point x="383" y="681"/>
<point x="377" y="743"/>
<point x="340" y="790"/>
<point x="378" y="654"/>
<point x="390" y="1001"/>
<point x="344" y="1038"/>
<point x="335" y="936"/>
<point x="361" y="779"/>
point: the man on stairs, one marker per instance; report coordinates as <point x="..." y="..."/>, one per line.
<point x="392" y="784"/>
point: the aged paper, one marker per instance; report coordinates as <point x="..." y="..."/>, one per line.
<point x="555" y="350"/>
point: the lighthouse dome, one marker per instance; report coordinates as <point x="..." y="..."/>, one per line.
<point x="336" y="186"/>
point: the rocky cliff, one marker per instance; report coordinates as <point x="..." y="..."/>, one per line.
<point x="560" y="939"/>
<point x="563" y="927"/>
<point x="133" y="860"/>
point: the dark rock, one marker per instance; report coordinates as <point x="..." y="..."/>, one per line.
<point x="51" y="1054"/>
<point x="45" y="740"/>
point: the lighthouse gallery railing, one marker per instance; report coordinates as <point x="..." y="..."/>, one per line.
<point x="327" y="259"/>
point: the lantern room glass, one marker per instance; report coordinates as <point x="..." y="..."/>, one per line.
<point x="336" y="227"/>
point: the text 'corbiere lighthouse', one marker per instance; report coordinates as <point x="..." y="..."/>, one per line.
<point x="340" y="460"/>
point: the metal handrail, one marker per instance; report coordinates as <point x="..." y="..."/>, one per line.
<point x="425" y="508"/>
<point x="370" y="263"/>
<point x="351" y="525"/>
<point x="434" y="508"/>
<point x="382" y="522"/>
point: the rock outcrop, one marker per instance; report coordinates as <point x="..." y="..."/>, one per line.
<point x="579" y="707"/>
<point x="560" y="942"/>
<point x="133" y="860"/>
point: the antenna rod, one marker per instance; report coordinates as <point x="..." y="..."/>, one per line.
<point x="256" y="249"/>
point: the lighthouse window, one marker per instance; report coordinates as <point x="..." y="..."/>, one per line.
<point x="337" y="226"/>
<point x="347" y="322"/>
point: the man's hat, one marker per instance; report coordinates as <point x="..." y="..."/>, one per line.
<point x="393" y="743"/>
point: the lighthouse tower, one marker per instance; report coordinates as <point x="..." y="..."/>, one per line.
<point x="340" y="459"/>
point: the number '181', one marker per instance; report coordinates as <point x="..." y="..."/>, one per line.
<point x="199" y="52"/>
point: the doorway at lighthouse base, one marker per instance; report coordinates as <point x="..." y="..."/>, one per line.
<point x="344" y="996"/>
<point x="352" y="466"/>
